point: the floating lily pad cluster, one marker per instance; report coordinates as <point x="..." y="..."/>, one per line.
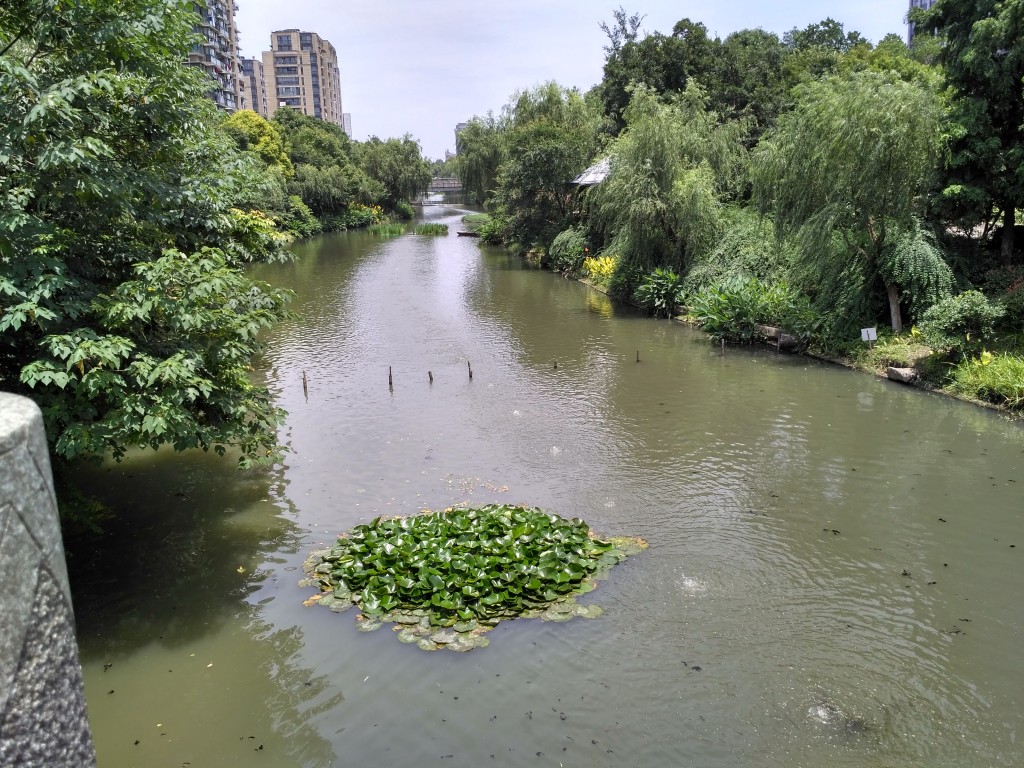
<point x="445" y="578"/>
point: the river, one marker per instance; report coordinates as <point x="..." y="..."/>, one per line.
<point x="834" y="577"/>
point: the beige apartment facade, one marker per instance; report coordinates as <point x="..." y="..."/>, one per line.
<point x="254" y="87"/>
<point x="301" y="72"/>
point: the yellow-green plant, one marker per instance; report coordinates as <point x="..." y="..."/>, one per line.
<point x="600" y="269"/>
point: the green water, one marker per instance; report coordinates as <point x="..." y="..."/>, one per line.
<point x="830" y="580"/>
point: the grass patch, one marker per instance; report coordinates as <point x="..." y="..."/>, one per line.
<point x="432" y="229"/>
<point x="386" y="229"/>
<point x="474" y="221"/>
<point x="993" y="378"/>
<point x="446" y="578"/>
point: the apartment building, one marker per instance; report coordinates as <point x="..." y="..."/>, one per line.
<point x="217" y="53"/>
<point x="301" y="72"/>
<point x="254" y="87"/>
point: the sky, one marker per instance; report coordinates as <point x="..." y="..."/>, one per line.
<point x="422" y="66"/>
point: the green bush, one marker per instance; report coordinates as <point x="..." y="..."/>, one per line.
<point x="567" y="252"/>
<point x="600" y="269"/>
<point x="404" y="211"/>
<point x="1006" y="286"/>
<point x="625" y="280"/>
<point x="299" y="218"/>
<point x="994" y="378"/>
<point x="660" y="292"/>
<point x="731" y="309"/>
<point x="748" y="248"/>
<point x="961" y="325"/>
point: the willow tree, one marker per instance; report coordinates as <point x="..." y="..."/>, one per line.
<point x="844" y="174"/>
<point x="672" y="168"/>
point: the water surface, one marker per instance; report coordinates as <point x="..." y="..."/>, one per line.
<point x="834" y="576"/>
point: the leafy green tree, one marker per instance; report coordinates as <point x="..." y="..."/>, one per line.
<point x="663" y="63"/>
<point x="982" y="55"/>
<point x="254" y="133"/>
<point x="479" y="155"/>
<point x="749" y="77"/>
<point x="844" y="174"/>
<point x="550" y="136"/>
<point x="398" y="164"/>
<point x="671" y="169"/>
<point x="125" y="313"/>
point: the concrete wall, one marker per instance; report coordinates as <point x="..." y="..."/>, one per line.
<point x="42" y="705"/>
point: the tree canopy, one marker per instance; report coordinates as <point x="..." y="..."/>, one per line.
<point x="125" y="315"/>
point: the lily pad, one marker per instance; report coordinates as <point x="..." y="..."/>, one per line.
<point x="448" y="577"/>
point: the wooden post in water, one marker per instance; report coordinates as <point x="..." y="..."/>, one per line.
<point x="305" y="387"/>
<point x="556" y="365"/>
<point x="723" y="347"/>
<point x="468" y="365"/>
<point x="391" y="383"/>
<point x="638" y="355"/>
<point x="430" y="375"/>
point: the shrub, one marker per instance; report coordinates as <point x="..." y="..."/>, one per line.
<point x="404" y="211"/>
<point x="748" y="248"/>
<point x="731" y="309"/>
<point x="567" y="252"/>
<point x="600" y="269"/>
<point x="660" y="292"/>
<point x="961" y="325"/>
<point x="1006" y="286"/>
<point x="298" y="218"/>
<point x="993" y="378"/>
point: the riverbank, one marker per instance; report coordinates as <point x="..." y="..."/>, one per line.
<point x="898" y="359"/>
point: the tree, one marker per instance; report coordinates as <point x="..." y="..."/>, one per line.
<point x="662" y="63"/>
<point x="661" y="205"/>
<point x="478" y="147"/>
<point x="983" y="61"/>
<point x="251" y="132"/>
<point x="549" y="137"/>
<point x="398" y="164"/>
<point x="851" y="161"/>
<point x="125" y="312"/>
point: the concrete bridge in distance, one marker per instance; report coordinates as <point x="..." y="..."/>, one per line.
<point x="444" y="184"/>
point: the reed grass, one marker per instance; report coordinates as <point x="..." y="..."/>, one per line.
<point x="432" y="229"/>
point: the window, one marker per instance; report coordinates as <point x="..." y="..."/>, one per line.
<point x="286" y="70"/>
<point x="284" y="42"/>
<point x="289" y="80"/>
<point x="289" y="90"/>
<point x="286" y="60"/>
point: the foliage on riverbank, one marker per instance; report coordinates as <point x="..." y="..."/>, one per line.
<point x="129" y="210"/>
<point x="445" y="578"/>
<point x="813" y="181"/>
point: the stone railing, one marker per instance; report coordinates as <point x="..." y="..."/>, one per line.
<point x="42" y="704"/>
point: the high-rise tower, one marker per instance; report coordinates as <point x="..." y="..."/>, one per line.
<point x="301" y="72"/>
<point x="217" y="53"/>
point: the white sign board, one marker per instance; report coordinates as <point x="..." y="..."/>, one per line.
<point x="868" y="334"/>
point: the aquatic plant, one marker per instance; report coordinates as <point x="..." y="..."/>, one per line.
<point x="386" y="229"/>
<point x="432" y="229"/>
<point x="447" y="577"/>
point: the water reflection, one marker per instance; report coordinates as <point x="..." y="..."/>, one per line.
<point x="179" y="665"/>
